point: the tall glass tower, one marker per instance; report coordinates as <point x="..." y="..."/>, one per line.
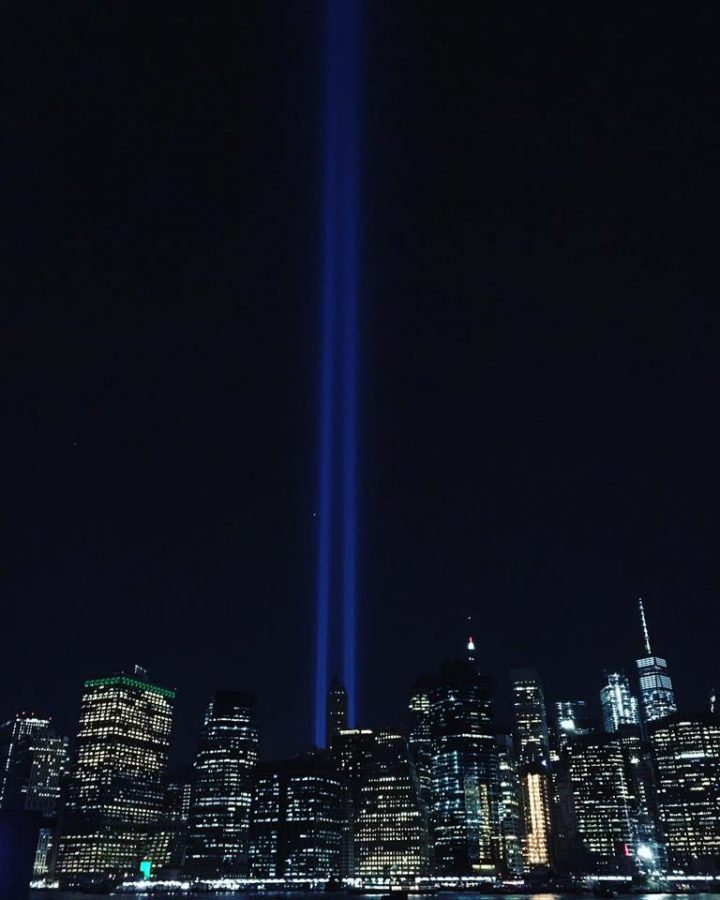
<point x="533" y="746"/>
<point x="656" y="690"/>
<point x="224" y="767"/>
<point x="464" y="773"/>
<point x="619" y="705"/>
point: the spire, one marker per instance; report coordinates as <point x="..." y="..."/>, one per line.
<point x="470" y="643"/>
<point x="646" y="634"/>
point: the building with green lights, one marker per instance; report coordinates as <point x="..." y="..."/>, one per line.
<point x="115" y="794"/>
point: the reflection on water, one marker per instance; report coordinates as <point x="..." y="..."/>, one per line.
<point x="54" y="895"/>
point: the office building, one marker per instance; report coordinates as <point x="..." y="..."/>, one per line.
<point x="531" y="730"/>
<point x="353" y="755"/>
<point x="572" y="719"/>
<point x="510" y="808"/>
<point x="464" y="772"/>
<point x="219" y="818"/>
<point x="297" y="819"/>
<point x="604" y="805"/>
<point x="619" y="706"/>
<point x="115" y="795"/>
<point x="533" y="750"/>
<point x="32" y="762"/>
<point x="686" y="756"/>
<point x="391" y="839"/>
<point x="419" y="737"/>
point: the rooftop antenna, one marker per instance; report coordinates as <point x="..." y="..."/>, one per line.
<point x="471" y="642"/>
<point x="646" y="634"/>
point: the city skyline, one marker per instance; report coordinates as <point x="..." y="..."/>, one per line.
<point x="451" y="791"/>
<point x="523" y="408"/>
<point x="604" y="707"/>
<point x="184" y="743"/>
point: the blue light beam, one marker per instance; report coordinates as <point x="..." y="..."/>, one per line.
<point x="327" y="402"/>
<point x="339" y="345"/>
<point x="349" y="349"/>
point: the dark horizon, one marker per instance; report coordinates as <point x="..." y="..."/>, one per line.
<point x="538" y="352"/>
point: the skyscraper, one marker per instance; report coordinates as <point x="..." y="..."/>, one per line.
<point x="510" y="808"/>
<point x="116" y="790"/>
<point x="464" y="771"/>
<point x="530" y="716"/>
<point x="337" y="710"/>
<point x="32" y="761"/>
<point x="534" y="765"/>
<point x="297" y="819"/>
<point x="686" y="754"/>
<point x="353" y="755"/>
<point x="572" y="719"/>
<point x="619" y="705"/>
<point x="656" y="690"/>
<point x="419" y="737"/>
<point x="219" y="822"/>
<point x="603" y="802"/>
<point x="391" y="836"/>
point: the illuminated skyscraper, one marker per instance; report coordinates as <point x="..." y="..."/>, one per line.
<point x="464" y="772"/>
<point x="391" y="837"/>
<point x="297" y="819"/>
<point x="419" y="738"/>
<point x="619" y="706"/>
<point x="176" y="814"/>
<point x="686" y="754"/>
<point x="510" y="808"/>
<point x="656" y="690"/>
<point x="533" y="749"/>
<point x="603" y="802"/>
<point x="219" y="822"/>
<point x="32" y="761"/>
<point x="115" y="794"/>
<point x="530" y="716"/>
<point x="337" y="710"/>
<point x="353" y="754"/>
<point x="572" y="719"/>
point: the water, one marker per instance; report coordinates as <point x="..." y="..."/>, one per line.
<point x="54" y="895"/>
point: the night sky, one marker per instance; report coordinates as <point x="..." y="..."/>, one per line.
<point x="539" y="349"/>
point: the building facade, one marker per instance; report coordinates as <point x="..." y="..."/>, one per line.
<point x="115" y="795"/>
<point x="603" y="802"/>
<point x="619" y="705"/>
<point x="353" y="755"/>
<point x="510" y="808"/>
<point x="533" y="749"/>
<point x="572" y="719"/>
<point x="297" y="819"/>
<point x="33" y="760"/>
<point x="219" y="817"/>
<point x="686" y="756"/>
<point x="464" y="772"/>
<point x="391" y="838"/>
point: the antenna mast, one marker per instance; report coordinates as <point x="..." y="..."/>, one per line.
<point x="646" y="634"/>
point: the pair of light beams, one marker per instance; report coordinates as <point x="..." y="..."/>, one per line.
<point x="337" y="488"/>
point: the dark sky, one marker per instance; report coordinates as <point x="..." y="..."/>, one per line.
<point x="539" y="351"/>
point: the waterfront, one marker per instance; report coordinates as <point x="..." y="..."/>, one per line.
<point x="240" y="895"/>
